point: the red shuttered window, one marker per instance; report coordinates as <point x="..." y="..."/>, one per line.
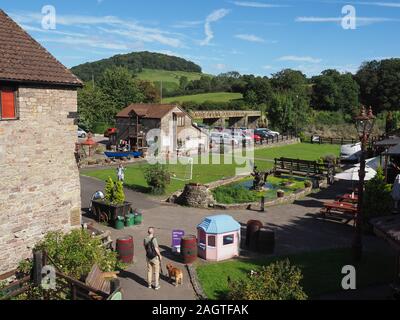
<point x="7" y="106"/>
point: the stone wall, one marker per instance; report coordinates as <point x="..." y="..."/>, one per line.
<point x="39" y="186"/>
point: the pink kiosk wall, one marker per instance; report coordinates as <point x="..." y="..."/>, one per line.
<point x="218" y="238"/>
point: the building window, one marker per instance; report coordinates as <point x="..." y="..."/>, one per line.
<point x="211" y="241"/>
<point x="228" y="239"/>
<point x="180" y="121"/>
<point x="8" y="104"/>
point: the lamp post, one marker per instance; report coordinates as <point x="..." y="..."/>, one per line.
<point x="364" y="124"/>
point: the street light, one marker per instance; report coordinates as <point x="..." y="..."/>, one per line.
<point x="364" y="125"/>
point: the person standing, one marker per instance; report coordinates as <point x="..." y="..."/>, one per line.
<point x="154" y="258"/>
<point x="121" y="173"/>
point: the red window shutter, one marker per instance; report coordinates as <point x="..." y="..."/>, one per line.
<point x="7" y="104"/>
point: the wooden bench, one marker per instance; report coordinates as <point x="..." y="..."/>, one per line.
<point x="100" y="280"/>
<point x="317" y="171"/>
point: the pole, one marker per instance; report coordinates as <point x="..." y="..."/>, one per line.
<point x="357" y="242"/>
<point x="161" y="93"/>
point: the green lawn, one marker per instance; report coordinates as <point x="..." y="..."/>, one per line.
<point x="321" y="271"/>
<point x="304" y="151"/>
<point x="206" y="173"/>
<point x="199" y="98"/>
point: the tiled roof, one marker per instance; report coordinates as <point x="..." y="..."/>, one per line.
<point x="150" y="111"/>
<point x="219" y="224"/>
<point x="22" y="59"/>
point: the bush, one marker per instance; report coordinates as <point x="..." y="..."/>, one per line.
<point x="119" y="195"/>
<point x="76" y="252"/>
<point x="157" y="177"/>
<point x="277" y="281"/>
<point x="114" y="192"/>
<point x="307" y="184"/>
<point x="377" y="200"/>
<point x="235" y="194"/>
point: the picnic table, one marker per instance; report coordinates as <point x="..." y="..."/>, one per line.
<point x="348" y="198"/>
<point x="344" y="210"/>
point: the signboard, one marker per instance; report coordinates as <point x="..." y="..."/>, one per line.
<point x="176" y="237"/>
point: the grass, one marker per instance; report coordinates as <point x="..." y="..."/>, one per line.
<point x="304" y="151"/>
<point x="199" y="98"/>
<point x="321" y="271"/>
<point x="206" y="173"/>
<point x="238" y="193"/>
<point x="170" y="79"/>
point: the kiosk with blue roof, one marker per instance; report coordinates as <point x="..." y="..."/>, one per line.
<point x="219" y="238"/>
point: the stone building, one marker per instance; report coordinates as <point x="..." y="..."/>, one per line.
<point x="176" y="130"/>
<point x="39" y="186"/>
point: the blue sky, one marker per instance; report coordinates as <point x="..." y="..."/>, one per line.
<point x="259" y="37"/>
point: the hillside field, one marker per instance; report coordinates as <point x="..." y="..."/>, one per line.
<point x="199" y="98"/>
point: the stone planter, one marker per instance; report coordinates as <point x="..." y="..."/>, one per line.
<point x="196" y="195"/>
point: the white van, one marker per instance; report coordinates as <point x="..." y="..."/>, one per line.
<point x="351" y="152"/>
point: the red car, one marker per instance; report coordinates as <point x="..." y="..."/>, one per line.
<point x="256" y="138"/>
<point x="109" y="132"/>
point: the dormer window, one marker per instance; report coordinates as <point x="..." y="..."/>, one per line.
<point x="8" y="104"/>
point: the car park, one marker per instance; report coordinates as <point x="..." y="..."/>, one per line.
<point x="272" y="133"/>
<point x="217" y="137"/>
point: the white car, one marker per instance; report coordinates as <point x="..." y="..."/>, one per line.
<point x="270" y="132"/>
<point x="350" y="152"/>
<point x="81" y="133"/>
<point x="217" y="137"/>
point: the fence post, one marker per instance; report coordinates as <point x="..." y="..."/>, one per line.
<point x="262" y="204"/>
<point x="37" y="268"/>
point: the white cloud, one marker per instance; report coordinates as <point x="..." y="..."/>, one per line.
<point x="127" y="28"/>
<point x="96" y="43"/>
<point x="360" y="21"/>
<point x="380" y="4"/>
<point x="253" y="4"/>
<point x="249" y="37"/>
<point x="299" y="59"/>
<point x="220" y="66"/>
<point x="213" y="17"/>
<point x="187" y="24"/>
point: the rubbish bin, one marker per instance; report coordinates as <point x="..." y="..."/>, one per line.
<point x="138" y="217"/>
<point x="252" y="234"/>
<point x="119" y="223"/>
<point x="129" y="220"/>
<point x="124" y="248"/>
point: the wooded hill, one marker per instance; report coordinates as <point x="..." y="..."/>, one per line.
<point x="135" y="62"/>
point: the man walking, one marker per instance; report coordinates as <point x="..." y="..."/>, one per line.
<point x="154" y="258"/>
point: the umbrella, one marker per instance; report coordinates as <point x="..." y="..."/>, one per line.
<point x="396" y="189"/>
<point x="352" y="174"/>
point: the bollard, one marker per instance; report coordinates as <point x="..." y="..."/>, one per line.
<point x="262" y="204"/>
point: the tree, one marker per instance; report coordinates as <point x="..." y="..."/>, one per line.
<point x="333" y="91"/>
<point x="121" y="88"/>
<point x="379" y="84"/>
<point x="277" y="281"/>
<point x="157" y="177"/>
<point x="258" y="91"/>
<point x="288" y="113"/>
<point x="150" y="92"/>
<point x="93" y="107"/>
<point x="292" y="81"/>
<point x="183" y="82"/>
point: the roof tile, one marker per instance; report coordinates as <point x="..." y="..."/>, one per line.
<point x="23" y="59"/>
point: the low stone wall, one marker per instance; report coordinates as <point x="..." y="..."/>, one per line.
<point x="256" y="205"/>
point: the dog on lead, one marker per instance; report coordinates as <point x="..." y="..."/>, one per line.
<point x="175" y="273"/>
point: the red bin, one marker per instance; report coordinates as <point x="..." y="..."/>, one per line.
<point x="124" y="249"/>
<point x="189" y="249"/>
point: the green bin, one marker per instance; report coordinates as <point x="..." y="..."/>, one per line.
<point x="138" y="218"/>
<point x="119" y="223"/>
<point x="130" y="220"/>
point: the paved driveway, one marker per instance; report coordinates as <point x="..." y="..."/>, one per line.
<point x="296" y="229"/>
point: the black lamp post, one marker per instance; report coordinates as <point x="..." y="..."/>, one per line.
<point x="364" y="125"/>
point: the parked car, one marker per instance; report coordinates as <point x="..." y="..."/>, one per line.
<point x="109" y="132"/>
<point x="273" y="133"/>
<point x="264" y="134"/>
<point x="81" y="133"/>
<point x="240" y="136"/>
<point x="217" y="137"/>
<point x="350" y="152"/>
<point x="256" y="138"/>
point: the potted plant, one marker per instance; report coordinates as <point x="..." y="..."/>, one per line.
<point x="113" y="205"/>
